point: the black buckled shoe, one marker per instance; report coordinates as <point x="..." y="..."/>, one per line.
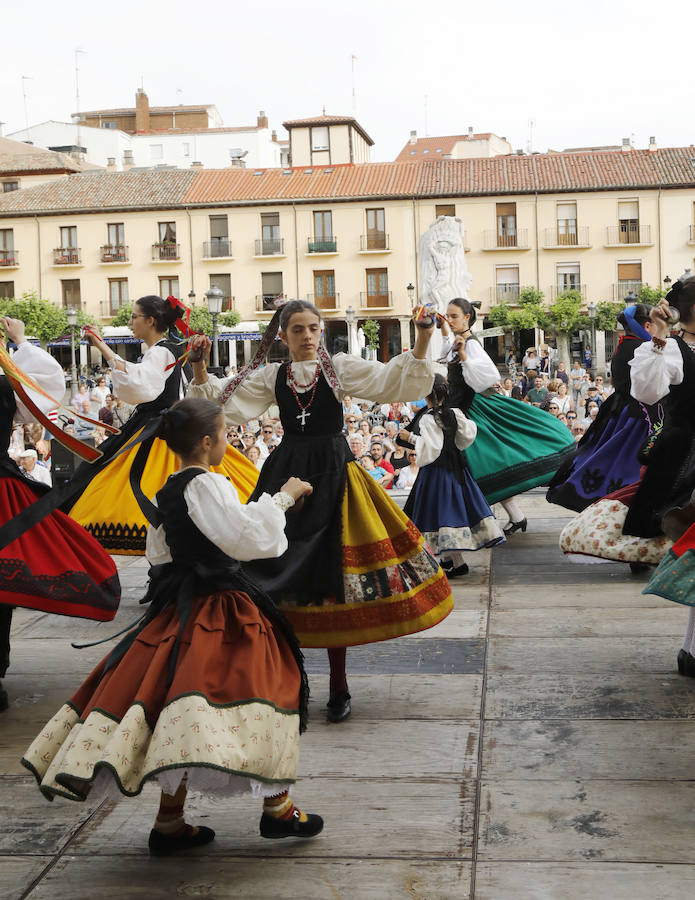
<point x="457" y="572"/>
<point x="338" y="707"/>
<point x="4" y="699"/>
<point x="281" y="828"/>
<point x="447" y="565"/>
<point x="686" y="664"/>
<point x="166" y="845"/>
<point x="511" y="527"/>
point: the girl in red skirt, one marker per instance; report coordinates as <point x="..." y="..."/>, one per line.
<point x="208" y="692"/>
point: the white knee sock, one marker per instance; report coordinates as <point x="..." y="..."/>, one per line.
<point x="689" y="639"/>
<point x="513" y="510"/>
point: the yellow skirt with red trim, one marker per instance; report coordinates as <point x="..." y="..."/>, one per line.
<point x="108" y="508"/>
<point x="393" y="585"/>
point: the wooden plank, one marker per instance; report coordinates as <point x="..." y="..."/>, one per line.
<point x="626" y="821"/>
<point x="629" y="656"/>
<point x="590" y="622"/>
<point x="585" y="596"/>
<point x="399" y="819"/>
<point x="583" y="881"/>
<point x="602" y="749"/>
<point x="582" y="696"/>
<point x="18" y="872"/>
<point x="219" y="878"/>
<point x="463" y="623"/>
<point x="445" y="656"/>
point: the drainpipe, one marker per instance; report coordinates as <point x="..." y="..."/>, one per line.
<point x="38" y="241"/>
<point x="415" y="250"/>
<point x="658" y="231"/>
<point x="535" y="216"/>
<point x="296" y="253"/>
<point x="190" y="249"/>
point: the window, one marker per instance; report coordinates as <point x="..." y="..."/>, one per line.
<point x="156" y="151"/>
<point x="224" y="283"/>
<point x="323" y="225"/>
<point x="319" y="138"/>
<point x="629" y="278"/>
<point x="270" y="234"/>
<point x="271" y="288"/>
<point x="7" y="239"/>
<point x="68" y="237"/>
<point x="566" y="224"/>
<point x="70" y="289"/>
<point x="568" y="277"/>
<point x="109" y="124"/>
<point x="507" y="284"/>
<point x="167" y="232"/>
<point x="324" y="289"/>
<point x="169" y="287"/>
<point x="186" y="149"/>
<point x="445" y="209"/>
<point x="118" y="294"/>
<point x="628" y="222"/>
<point x="506" y="224"/>
<point x="219" y="237"/>
<point x="377" y="287"/>
<point x="116" y="234"/>
<point x="8" y="186"/>
<point x="376" y="229"/>
<point x="6" y="290"/>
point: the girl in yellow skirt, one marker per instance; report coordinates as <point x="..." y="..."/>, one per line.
<point x="110" y="506"/>
<point x="356" y="570"/>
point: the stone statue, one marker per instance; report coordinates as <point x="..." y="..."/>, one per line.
<point x="443" y="270"/>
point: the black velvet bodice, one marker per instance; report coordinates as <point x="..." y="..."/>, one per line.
<point x="323" y="417"/>
<point x="461" y="395"/>
<point x="172" y="386"/>
<point x="8" y="408"/>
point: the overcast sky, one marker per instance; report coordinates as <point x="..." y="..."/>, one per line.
<point x="587" y="73"/>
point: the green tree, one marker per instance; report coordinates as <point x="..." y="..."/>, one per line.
<point x="371" y="329"/>
<point x="650" y="295"/>
<point x="230" y="319"/>
<point x="122" y="317"/>
<point x="606" y="315"/>
<point x="42" y="319"/>
<point x="563" y="318"/>
<point x="531" y="296"/>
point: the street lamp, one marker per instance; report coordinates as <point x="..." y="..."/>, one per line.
<point x="591" y="309"/>
<point x="630" y="298"/>
<point x="667" y="283"/>
<point x="214" y="297"/>
<point x="191" y="297"/>
<point x="71" y="314"/>
<point x="350" y="317"/>
<point x="411" y="294"/>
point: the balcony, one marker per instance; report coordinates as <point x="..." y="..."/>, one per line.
<point x="504" y="293"/>
<point x="167" y="251"/>
<point x="375" y="242"/>
<point x="629" y="232"/>
<point x="383" y="300"/>
<point x="566" y="234"/>
<point x="270" y="247"/>
<point x="492" y="240"/>
<point x="556" y="289"/>
<point x="67" y="256"/>
<point x="266" y="302"/>
<point x="113" y="253"/>
<point x="623" y="288"/>
<point x="324" y="301"/>
<point x="691" y="239"/>
<point x="9" y="259"/>
<point x="220" y="248"/>
<point x="325" y="245"/>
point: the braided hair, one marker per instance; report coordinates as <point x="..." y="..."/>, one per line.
<point x="438" y="397"/>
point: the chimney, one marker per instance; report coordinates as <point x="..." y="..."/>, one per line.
<point x="273" y="136"/>
<point x="262" y="120"/>
<point x="652" y="143"/>
<point x="196" y="164"/>
<point x="142" y="112"/>
<point x="413" y="137"/>
<point x="626" y="144"/>
<point x="128" y="161"/>
<point x="470" y="131"/>
<point x="111" y="163"/>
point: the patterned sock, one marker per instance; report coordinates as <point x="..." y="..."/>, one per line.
<point x="338" y="678"/>
<point x="170" y="820"/>
<point x="281" y="807"/>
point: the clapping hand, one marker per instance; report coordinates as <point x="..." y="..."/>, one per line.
<point x="14" y="329"/>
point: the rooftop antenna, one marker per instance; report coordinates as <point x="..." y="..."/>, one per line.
<point x="529" y="143"/>
<point x="426" y="128"/>
<point x="78" y="50"/>
<point x="179" y="94"/>
<point x="353" y="60"/>
<point x="26" y="78"/>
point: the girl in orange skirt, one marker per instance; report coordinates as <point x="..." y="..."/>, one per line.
<point x="357" y="570"/>
<point x="208" y="692"/>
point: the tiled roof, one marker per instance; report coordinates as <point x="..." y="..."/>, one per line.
<point x="542" y="173"/>
<point x="328" y="120"/>
<point x="89" y="192"/>
<point x="130" y="110"/>
<point x="17" y="158"/>
<point x="424" y="147"/>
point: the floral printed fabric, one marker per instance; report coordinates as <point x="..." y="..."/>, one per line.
<point x="598" y="532"/>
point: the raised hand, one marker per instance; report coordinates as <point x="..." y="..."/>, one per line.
<point x="14" y="329"/>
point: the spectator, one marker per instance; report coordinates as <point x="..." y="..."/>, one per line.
<point x="122" y="411"/>
<point x="399" y="460"/>
<point x="100" y="392"/>
<point x="563" y="418"/>
<point x="516" y="393"/>
<point x="527" y="380"/>
<point x="571" y="419"/>
<point x="253" y="454"/>
<point x="544" y="360"/>
<point x="591" y="413"/>
<point x="416" y="406"/>
<point x="279" y="432"/>
<point x="592" y="396"/>
<point x="81" y="402"/>
<point x="377" y="473"/>
<point x="391" y="435"/>
<point x="106" y="411"/>
<point x="350" y="408"/>
<point x="553" y="408"/>
<point x="365" y="432"/>
<point x="603" y="392"/>
<point x="248" y="440"/>
<point x="563" y="398"/>
<point x="351" y="425"/>
<point x="576" y="378"/>
<point x="507" y="386"/>
<point x="561" y="373"/>
<point x="407" y="475"/>
<point x="264" y="438"/>
<point x="588" y="359"/>
<point x="356" y="445"/>
<point x="236" y="442"/>
<point x="538" y="394"/>
<point x="376" y="451"/>
<point x="577" y="432"/>
<point x="530" y="360"/>
<point x="28" y="463"/>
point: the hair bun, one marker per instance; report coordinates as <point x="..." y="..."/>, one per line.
<point x="172" y="421"/>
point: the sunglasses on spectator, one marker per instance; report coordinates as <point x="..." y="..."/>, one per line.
<point x="267" y="431"/>
<point x="352" y="421"/>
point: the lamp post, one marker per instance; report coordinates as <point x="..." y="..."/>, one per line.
<point x="71" y="314"/>
<point x="350" y="317"/>
<point x="591" y="309"/>
<point x="214" y="297"/>
<point x="191" y="297"/>
<point x="411" y="294"/>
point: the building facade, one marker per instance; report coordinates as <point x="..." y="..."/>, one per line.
<point x="346" y="236"/>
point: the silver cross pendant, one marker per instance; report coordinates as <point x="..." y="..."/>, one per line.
<point x="303" y="416"/>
